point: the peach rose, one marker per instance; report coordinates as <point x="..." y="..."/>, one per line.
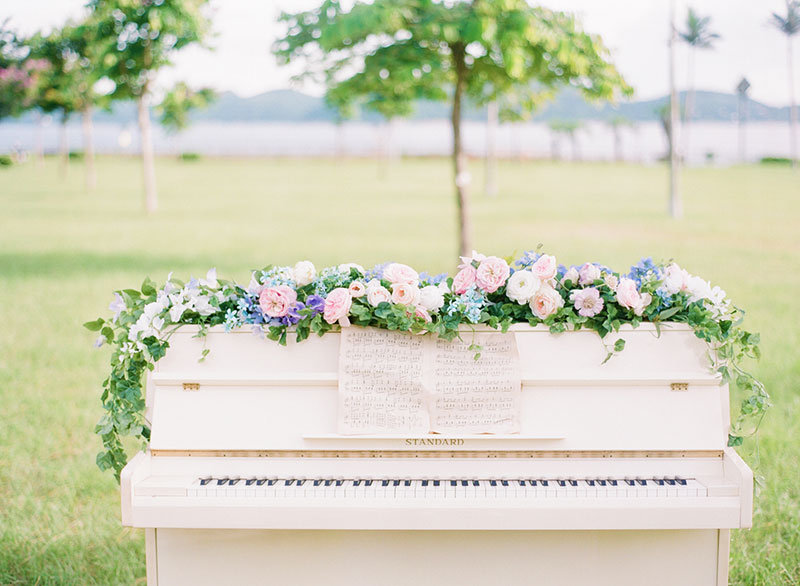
<point x="400" y="273"/>
<point x="337" y="306"/>
<point x="464" y="279"/>
<point x="378" y="294"/>
<point x="277" y="301"/>
<point x="405" y="294"/>
<point x="545" y="267"/>
<point x="546" y="302"/>
<point x="357" y="289"/>
<point x="492" y="274"/>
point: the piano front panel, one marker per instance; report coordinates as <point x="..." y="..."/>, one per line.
<point x="436" y="558"/>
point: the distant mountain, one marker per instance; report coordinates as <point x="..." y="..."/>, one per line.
<point x="293" y="106"/>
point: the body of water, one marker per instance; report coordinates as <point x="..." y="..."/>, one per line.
<point x="708" y="142"/>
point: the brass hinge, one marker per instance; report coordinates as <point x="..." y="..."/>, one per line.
<point x="191" y="386"/>
<point x="679" y="386"/>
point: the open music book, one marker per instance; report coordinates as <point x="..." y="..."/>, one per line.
<point x="395" y="382"/>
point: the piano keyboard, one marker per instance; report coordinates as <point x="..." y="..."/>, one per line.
<point x="436" y="488"/>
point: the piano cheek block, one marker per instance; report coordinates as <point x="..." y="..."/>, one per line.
<point x="552" y="498"/>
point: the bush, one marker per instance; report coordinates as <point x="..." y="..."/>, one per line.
<point x="6" y="161"/>
<point x="776" y="161"/>
<point x="76" y="155"/>
<point x="189" y="157"/>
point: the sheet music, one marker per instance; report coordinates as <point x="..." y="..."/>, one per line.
<point x="476" y="396"/>
<point x="395" y="382"/>
<point x="381" y="378"/>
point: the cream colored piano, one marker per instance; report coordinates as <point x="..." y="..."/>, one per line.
<point x="620" y="473"/>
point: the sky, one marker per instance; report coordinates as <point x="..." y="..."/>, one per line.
<point x="635" y="31"/>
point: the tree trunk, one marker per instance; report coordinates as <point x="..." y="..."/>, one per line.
<point x="491" y="150"/>
<point x="689" y="106"/>
<point x="39" y="139"/>
<point x="675" y="207"/>
<point x="148" y="163"/>
<point x="742" y="120"/>
<point x="617" y="143"/>
<point x="461" y="175"/>
<point x="576" y="149"/>
<point x="792" y="109"/>
<point x="63" y="148"/>
<point x="88" y="149"/>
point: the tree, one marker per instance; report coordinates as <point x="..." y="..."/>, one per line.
<point x="790" y="26"/>
<point x="697" y="35"/>
<point x="741" y="91"/>
<point x="399" y="51"/>
<point x="675" y="206"/>
<point x="174" y="109"/>
<point x="568" y="128"/>
<point x="617" y="123"/>
<point x="136" y="39"/>
<point x="19" y="75"/>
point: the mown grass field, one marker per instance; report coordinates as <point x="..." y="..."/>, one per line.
<point x="63" y="251"/>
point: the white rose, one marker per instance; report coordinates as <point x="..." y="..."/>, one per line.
<point x="378" y="294"/>
<point x="698" y="289"/>
<point x="345" y="267"/>
<point x="431" y="298"/>
<point x="675" y="279"/>
<point x="521" y="286"/>
<point x="304" y="273"/>
<point x="642" y="304"/>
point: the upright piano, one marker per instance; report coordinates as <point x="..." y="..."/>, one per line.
<point x="620" y="473"/>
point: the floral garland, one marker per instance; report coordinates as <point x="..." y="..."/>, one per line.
<point x="489" y="290"/>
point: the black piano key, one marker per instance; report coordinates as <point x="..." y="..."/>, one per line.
<point x="339" y="482"/>
<point x="590" y="482"/>
<point x="641" y="481"/>
<point x="249" y="481"/>
<point x="425" y="483"/>
<point x="221" y="481"/>
<point x="504" y="482"/>
<point x="545" y="482"/>
<point x="368" y="483"/>
<point x="204" y="481"/>
<point x="601" y="482"/>
<point x="562" y="482"/>
<point x="300" y="482"/>
<point x="233" y="481"/>
<point x="317" y="482"/>
<point x="395" y="482"/>
<point x="465" y="483"/>
<point x="532" y="482"/>
<point x="261" y="481"/>
<point x="288" y="482"/>
<point x="453" y="483"/>
<point x="521" y="482"/>
<point x="681" y="481"/>
<point x="612" y="482"/>
<point x="493" y="482"/>
<point x="437" y="482"/>
<point x="630" y="482"/>
<point x="406" y="483"/>
<point x="384" y="482"/>
<point x="659" y="481"/>
<point x="670" y="481"/>
<point x="476" y="483"/>
<point x="356" y="483"/>
<point x="328" y="482"/>
<point x="573" y="482"/>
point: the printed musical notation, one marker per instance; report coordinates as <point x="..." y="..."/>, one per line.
<point x="395" y="382"/>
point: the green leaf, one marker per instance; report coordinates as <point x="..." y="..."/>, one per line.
<point x="94" y="326"/>
<point x="148" y="287"/>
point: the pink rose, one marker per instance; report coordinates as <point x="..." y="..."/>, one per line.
<point x="378" y="294"/>
<point x="357" y="289"/>
<point x="337" y="306"/>
<point x="464" y="279"/>
<point x="405" y="294"/>
<point x="628" y="295"/>
<point x="588" y="274"/>
<point x="400" y="273"/>
<point x="466" y="261"/>
<point x="422" y="313"/>
<point x="546" y="302"/>
<point x="545" y="267"/>
<point x="492" y="274"/>
<point x="277" y="301"/>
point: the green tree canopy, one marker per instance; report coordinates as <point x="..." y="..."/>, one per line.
<point x="389" y="53"/>
<point x="174" y="109"/>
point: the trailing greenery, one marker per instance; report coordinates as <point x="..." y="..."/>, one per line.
<point x="283" y="301"/>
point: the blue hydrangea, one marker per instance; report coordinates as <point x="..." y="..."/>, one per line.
<point x="376" y="272"/>
<point x="645" y="271"/>
<point x="427" y="279"/>
<point x="527" y="259"/>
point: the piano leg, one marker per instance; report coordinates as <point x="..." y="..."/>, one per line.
<point x="151" y="552"/>
<point x="202" y="557"/>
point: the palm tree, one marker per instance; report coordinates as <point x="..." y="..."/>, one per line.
<point x="790" y="26"/>
<point x="698" y="36"/>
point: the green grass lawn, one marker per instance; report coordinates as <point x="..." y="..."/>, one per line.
<point x="62" y="252"/>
